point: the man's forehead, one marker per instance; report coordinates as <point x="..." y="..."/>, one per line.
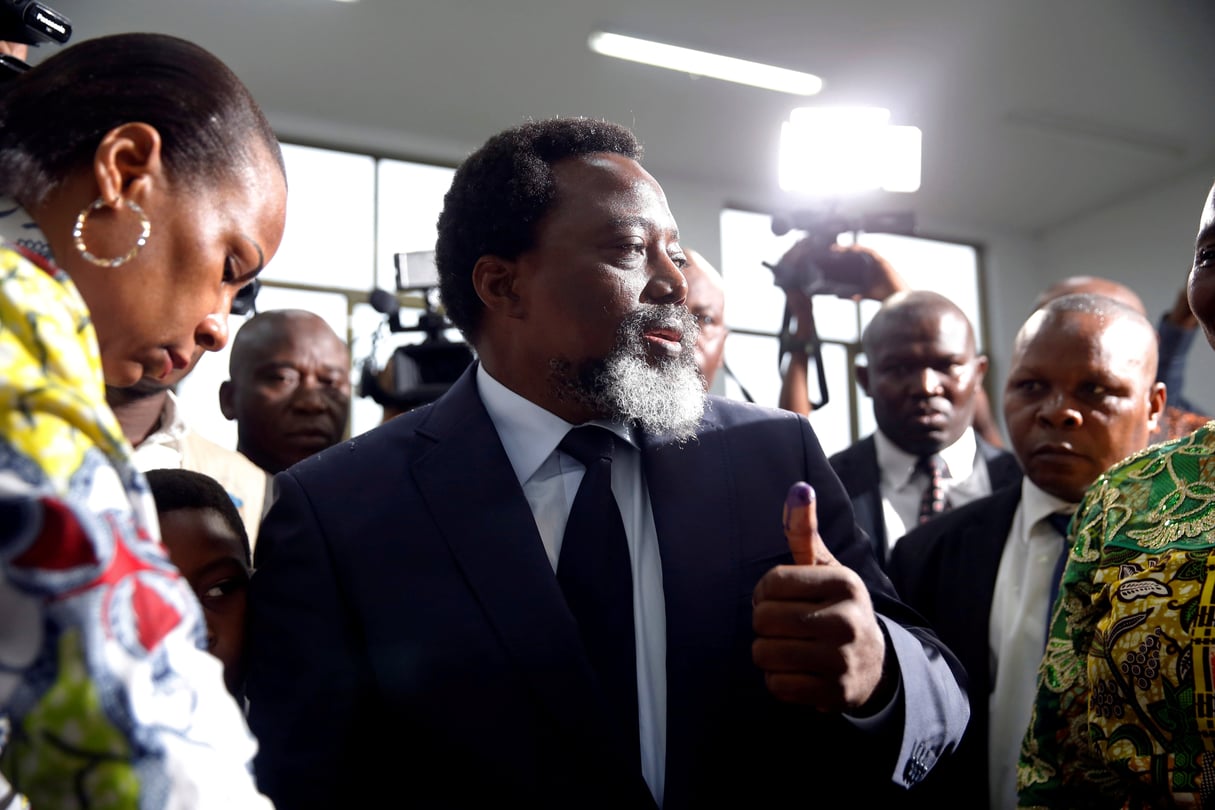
<point x="614" y="184"/>
<point x="932" y="333"/>
<point x="1119" y="340"/>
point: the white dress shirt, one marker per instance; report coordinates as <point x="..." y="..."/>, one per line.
<point x="1017" y="632"/>
<point x="162" y="448"/>
<point x="902" y="486"/>
<point x="550" y="479"/>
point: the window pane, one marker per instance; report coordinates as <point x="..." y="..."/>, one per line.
<point x="330" y="236"/>
<point x="755" y="303"/>
<point x="410" y="197"/>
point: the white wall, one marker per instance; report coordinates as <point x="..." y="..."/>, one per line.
<point x="1146" y="243"/>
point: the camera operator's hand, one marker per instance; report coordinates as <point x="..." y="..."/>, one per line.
<point x="16" y="49"/>
<point x="882" y="279"/>
<point x="885" y="280"/>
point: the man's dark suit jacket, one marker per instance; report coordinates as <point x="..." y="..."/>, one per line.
<point x="946" y="570"/>
<point x="409" y="643"/>
<point x="857" y="468"/>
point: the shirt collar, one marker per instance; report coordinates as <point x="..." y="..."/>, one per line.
<point x="529" y="433"/>
<point x="1037" y="504"/>
<point x="898" y="466"/>
<point x="18" y="228"/>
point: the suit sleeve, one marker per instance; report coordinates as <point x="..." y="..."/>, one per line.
<point x="931" y="710"/>
<point x="305" y="669"/>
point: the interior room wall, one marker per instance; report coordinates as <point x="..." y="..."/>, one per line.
<point x="1146" y="243"/>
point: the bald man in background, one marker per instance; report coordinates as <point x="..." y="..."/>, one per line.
<point x="289" y="388"/>
<point x="707" y="303"/>
<point x="1179" y="417"/>
<point x="924" y="376"/>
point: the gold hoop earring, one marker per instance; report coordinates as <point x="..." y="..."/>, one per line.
<point x="78" y="234"/>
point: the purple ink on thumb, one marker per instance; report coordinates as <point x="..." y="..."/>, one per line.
<point x="800" y="494"/>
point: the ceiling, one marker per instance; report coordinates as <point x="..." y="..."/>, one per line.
<point x="1034" y="112"/>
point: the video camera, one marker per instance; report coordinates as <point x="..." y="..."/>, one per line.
<point x="824" y="271"/>
<point x="29" y="23"/>
<point x="821" y="270"/>
<point x="32" y="23"/>
<point x="419" y="372"/>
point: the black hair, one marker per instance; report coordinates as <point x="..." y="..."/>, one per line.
<point x="53" y="116"/>
<point x="500" y="193"/>
<point x="185" y="489"/>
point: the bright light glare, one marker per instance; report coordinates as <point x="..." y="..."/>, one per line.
<point x="828" y="152"/>
<point x="701" y="63"/>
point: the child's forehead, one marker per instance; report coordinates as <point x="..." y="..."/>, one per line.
<point x="203" y="530"/>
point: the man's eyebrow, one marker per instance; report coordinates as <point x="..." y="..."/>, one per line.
<point x="638" y="221"/>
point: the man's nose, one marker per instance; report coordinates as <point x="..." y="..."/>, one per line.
<point x="1058" y="411"/>
<point x="310" y="396"/>
<point x="668" y="284"/>
<point x="928" y="380"/>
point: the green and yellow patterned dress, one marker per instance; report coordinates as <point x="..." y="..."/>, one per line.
<point x="1125" y="712"/>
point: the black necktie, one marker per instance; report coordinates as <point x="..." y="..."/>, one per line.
<point x="595" y="576"/>
<point x="1059" y="524"/>
<point x="933" y="501"/>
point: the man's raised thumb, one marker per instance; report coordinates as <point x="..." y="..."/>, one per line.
<point x="801" y="527"/>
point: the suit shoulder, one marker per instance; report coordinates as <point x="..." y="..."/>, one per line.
<point x="365" y="454"/>
<point x="723" y="412"/>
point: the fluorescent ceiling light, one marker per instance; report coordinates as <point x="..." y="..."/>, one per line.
<point x="829" y="152"/>
<point x="701" y="63"/>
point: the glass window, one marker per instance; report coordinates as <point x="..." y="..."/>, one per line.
<point x="755" y="309"/>
<point x="330" y="236"/>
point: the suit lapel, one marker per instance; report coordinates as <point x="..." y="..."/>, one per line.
<point x="976" y="558"/>
<point x="859" y="472"/>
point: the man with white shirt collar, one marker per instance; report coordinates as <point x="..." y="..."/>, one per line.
<point x="1081" y="395"/>
<point x="923" y="375"/>
<point x="423" y="621"/>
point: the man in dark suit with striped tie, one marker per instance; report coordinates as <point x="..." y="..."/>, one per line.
<point x="924" y="377"/>
<point x="1080" y="396"/>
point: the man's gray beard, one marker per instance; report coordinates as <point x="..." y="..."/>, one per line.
<point x="665" y="397"/>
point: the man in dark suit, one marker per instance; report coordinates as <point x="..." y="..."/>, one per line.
<point x="421" y="631"/>
<point x="1080" y="396"/>
<point x="924" y="378"/>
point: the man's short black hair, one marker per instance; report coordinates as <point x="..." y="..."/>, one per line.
<point x="186" y="489"/>
<point x="500" y="193"/>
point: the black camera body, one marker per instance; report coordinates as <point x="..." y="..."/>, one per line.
<point x="420" y="372"/>
<point x="32" y="23"/>
<point x="824" y="270"/>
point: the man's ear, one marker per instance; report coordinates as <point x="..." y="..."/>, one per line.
<point x="496" y="281"/>
<point x="227" y="397"/>
<point x="862" y="378"/>
<point x="1158" y="397"/>
<point x="127" y="162"/>
<point x="980" y="369"/>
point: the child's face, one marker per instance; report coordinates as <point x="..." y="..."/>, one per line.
<point x="211" y="557"/>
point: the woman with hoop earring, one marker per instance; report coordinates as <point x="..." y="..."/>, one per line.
<point x="140" y="188"/>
